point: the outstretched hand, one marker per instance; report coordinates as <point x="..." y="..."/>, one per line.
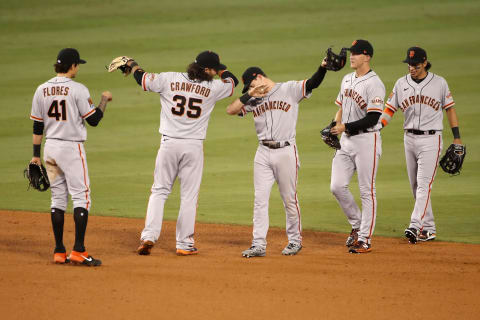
<point x="258" y="91"/>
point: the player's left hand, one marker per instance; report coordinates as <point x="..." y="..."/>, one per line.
<point x="258" y="91"/>
<point x="121" y="63"/>
<point x="339" y="128"/>
<point x="324" y="62"/>
<point x="457" y="141"/>
<point x="36" y="160"/>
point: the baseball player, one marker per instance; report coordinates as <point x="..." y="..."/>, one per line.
<point x="274" y="107"/>
<point x="422" y="96"/>
<point x="60" y="108"/>
<point x="360" y="103"/>
<point x="187" y="101"/>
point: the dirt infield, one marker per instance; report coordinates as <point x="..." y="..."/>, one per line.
<point x="435" y="280"/>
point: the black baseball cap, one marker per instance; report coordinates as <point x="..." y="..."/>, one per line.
<point x="249" y="75"/>
<point x="415" y="55"/>
<point x="209" y="59"/>
<point x="362" y="47"/>
<point x="69" y="56"/>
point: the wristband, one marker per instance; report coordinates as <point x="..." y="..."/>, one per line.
<point x="36" y="150"/>
<point x="456" y="133"/>
<point x="244" y="99"/>
<point x="133" y="64"/>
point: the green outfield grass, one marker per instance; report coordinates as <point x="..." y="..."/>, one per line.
<point x="287" y="39"/>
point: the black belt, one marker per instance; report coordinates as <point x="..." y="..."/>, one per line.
<point x="420" y="132"/>
<point x="274" y="144"/>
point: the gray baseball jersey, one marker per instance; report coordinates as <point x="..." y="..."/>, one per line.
<point x="276" y="114"/>
<point x="186" y="109"/>
<point x="275" y="117"/>
<point x="360" y="153"/>
<point x="62" y="105"/>
<point x="360" y="95"/>
<point x="422" y="103"/>
<point x="186" y="104"/>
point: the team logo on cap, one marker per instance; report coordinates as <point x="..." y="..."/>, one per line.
<point x="411" y="54"/>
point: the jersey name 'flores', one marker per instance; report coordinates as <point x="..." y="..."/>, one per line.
<point x="62" y="105"/>
<point x="186" y="104"/>
<point x="422" y="103"/>
<point x="275" y="115"/>
<point x="359" y="95"/>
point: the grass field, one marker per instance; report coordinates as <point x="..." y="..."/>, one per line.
<point x="287" y="39"/>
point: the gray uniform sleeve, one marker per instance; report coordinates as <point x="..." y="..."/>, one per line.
<point x="37" y="113"/>
<point x="447" y="97"/>
<point x="297" y="90"/>
<point x="376" y="97"/>
<point x="155" y="82"/>
<point x="223" y="88"/>
<point x="84" y="103"/>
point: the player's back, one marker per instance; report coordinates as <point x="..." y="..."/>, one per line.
<point x="186" y="104"/>
<point x="62" y="105"/>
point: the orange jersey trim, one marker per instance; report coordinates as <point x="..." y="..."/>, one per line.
<point x="375" y="109"/>
<point x="338" y="103"/>
<point x="143" y="82"/>
<point x="391" y="107"/>
<point x="389" y="111"/>
<point x="304" y="94"/>
<point x="451" y="104"/>
<point x="35" y="118"/>
<point x="88" y="114"/>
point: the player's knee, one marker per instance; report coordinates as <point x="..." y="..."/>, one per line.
<point x="59" y="203"/>
<point x="338" y="188"/>
<point x="161" y="192"/>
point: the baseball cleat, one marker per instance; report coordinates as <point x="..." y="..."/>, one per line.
<point x="360" y="247"/>
<point x="60" y="257"/>
<point x="292" y="249"/>
<point x="426" y="235"/>
<point x="412" y="235"/>
<point x="84" y="259"/>
<point x="352" y="238"/>
<point x="254" y="251"/>
<point x="145" y="247"/>
<point x="187" y="252"/>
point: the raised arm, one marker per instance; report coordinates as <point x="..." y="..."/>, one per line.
<point x="255" y="92"/>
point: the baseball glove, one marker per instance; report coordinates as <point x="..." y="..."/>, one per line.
<point x="120" y="63"/>
<point x="336" y="62"/>
<point x="329" y="138"/>
<point x="452" y="161"/>
<point x="37" y="177"/>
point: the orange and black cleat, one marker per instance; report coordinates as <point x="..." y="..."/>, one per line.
<point x="360" y="247"/>
<point x="60" y="257"/>
<point x="84" y="259"/>
<point x="187" y="252"/>
<point x="145" y="247"/>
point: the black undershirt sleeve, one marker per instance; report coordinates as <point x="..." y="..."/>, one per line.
<point x="38" y="128"/>
<point x="370" y="120"/>
<point x="95" y="118"/>
<point x="227" y="74"/>
<point x="316" y="79"/>
<point x="138" y="74"/>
